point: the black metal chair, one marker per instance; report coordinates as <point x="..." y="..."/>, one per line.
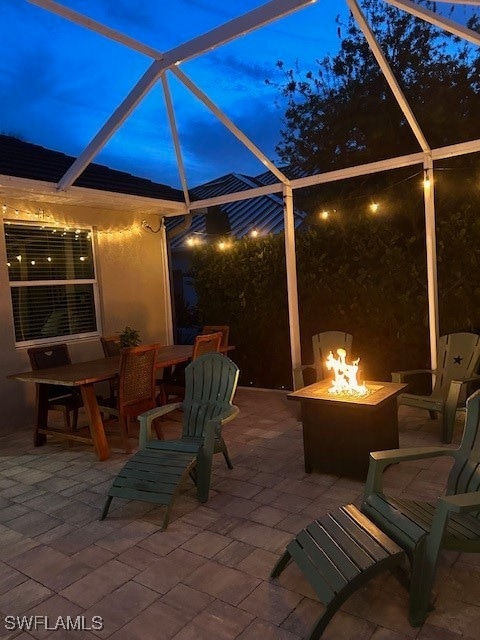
<point x="64" y="399"/>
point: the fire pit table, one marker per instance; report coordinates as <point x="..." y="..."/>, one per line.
<point x="339" y="431"/>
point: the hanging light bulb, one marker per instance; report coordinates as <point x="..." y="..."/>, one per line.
<point x="426" y="180"/>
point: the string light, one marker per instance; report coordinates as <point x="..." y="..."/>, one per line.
<point x="374" y="207"/>
<point x="324" y="215"/>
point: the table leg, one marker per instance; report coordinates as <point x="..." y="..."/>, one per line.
<point x="95" y="422"/>
<point x="42" y="415"/>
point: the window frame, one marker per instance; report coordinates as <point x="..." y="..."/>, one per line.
<point x="15" y="284"/>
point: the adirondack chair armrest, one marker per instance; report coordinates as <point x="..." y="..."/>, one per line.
<point x="298" y="379"/>
<point x="399" y="376"/>
<point x="461" y="502"/>
<point x="146" y="419"/>
<point x="380" y="460"/>
<point x="223" y="418"/>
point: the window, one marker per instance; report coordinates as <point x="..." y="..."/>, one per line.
<point x="52" y="282"/>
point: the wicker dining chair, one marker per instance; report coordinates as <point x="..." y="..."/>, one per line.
<point x="66" y="400"/>
<point x="136" y="386"/>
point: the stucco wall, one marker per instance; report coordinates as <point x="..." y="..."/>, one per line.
<point x="131" y="277"/>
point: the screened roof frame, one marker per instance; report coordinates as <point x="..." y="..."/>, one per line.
<point x="262" y="15"/>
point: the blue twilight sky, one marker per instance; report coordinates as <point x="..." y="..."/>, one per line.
<point x="59" y="82"/>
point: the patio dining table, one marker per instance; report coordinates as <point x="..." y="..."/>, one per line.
<point x="84" y="375"/>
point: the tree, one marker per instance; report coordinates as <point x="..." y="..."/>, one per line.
<point x="344" y="113"/>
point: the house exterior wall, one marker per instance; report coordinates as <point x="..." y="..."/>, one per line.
<point x="131" y="276"/>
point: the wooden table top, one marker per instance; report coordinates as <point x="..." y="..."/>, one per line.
<point x="81" y="373"/>
<point x="318" y="392"/>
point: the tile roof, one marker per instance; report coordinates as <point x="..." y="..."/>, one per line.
<point x="26" y="160"/>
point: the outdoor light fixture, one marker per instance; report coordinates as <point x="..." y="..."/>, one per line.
<point x="147" y="227"/>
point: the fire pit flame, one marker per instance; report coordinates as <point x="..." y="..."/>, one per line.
<point x="345" y="380"/>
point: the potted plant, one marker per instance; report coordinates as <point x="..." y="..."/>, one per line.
<point x="129" y="337"/>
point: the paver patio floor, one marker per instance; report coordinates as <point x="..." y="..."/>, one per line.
<point x="206" y="577"/>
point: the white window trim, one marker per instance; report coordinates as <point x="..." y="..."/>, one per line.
<point x="74" y="337"/>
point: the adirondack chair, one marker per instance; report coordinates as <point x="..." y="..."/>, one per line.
<point x="322" y="344"/>
<point x="424" y="528"/>
<point x="458" y="357"/>
<point x="155" y="473"/>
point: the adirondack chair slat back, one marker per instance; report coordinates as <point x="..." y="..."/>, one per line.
<point x="210" y="383"/>
<point x="325" y="342"/>
<point x="465" y="474"/>
<point x="458" y="356"/>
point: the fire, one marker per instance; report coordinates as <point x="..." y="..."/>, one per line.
<point x="345" y="380"/>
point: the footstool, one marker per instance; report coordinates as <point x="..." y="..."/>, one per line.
<point x="337" y="554"/>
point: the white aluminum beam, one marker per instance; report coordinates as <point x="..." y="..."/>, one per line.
<point x="176" y="141"/>
<point x="229" y="124"/>
<point x="359" y="170"/>
<point x="389" y="77"/>
<point x="292" y="284"/>
<point x="111" y="125"/>
<point x="437" y="20"/>
<point x="431" y="247"/>
<point x="93" y="25"/>
<point x="240" y="26"/>
<point x="208" y="41"/>
<point x="246" y="194"/>
<point x="473" y="146"/>
<point x="214" y="38"/>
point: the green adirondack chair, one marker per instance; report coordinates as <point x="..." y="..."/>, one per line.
<point x="322" y="344"/>
<point x="155" y="472"/>
<point x="423" y="529"/>
<point x="458" y="357"/>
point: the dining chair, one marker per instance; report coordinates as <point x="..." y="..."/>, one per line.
<point x="63" y="399"/>
<point x="322" y="344"/>
<point x="175" y="384"/>
<point x="223" y="328"/>
<point x="157" y="470"/>
<point x="136" y="386"/>
<point x="110" y="345"/>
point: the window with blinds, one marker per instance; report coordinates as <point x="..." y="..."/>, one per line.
<point x="52" y="282"/>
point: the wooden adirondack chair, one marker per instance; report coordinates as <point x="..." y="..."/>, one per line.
<point x="458" y="357"/>
<point x="424" y="528"/>
<point x="155" y="472"/>
<point x="322" y="344"/>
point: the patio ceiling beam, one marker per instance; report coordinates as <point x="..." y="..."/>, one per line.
<point x="472" y="146"/>
<point x="98" y="27"/>
<point x="259" y="17"/>
<point x="230" y="30"/>
<point x="246" y="194"/>
<point x="176" y="141"/>
<point x="111" y="125"/>
<point x="389" y="76"/>
<point x="229" y="124"/>
<point x="439" y="21"/>
<point x="359" y="170"/>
